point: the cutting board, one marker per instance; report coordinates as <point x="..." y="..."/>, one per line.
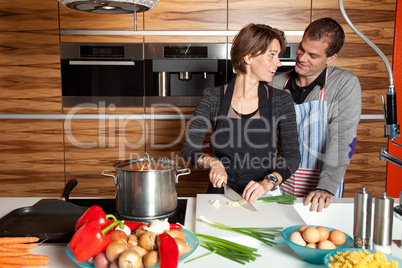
<point x="267" y="215"/>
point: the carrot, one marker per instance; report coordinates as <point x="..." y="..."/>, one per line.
<point x="37" y="261"/>
<point x="6" y="265"/>
<point x="12" y="254"/>
<point x="21" y="246"/>
<point x="6" y="249"/>
<point x="18" y="240"/>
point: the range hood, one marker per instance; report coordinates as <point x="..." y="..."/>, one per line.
<point x="110" y="6"/>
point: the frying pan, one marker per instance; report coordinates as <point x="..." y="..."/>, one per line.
<point x="52" y="221"/>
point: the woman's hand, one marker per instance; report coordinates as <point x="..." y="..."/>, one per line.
<point x="217" y="174"/>
<point x="255" y="190"/>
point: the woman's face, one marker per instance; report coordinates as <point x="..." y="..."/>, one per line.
<point x="264" y="66"/>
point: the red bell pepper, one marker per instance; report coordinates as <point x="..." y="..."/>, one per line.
<point x="176" y="226"/>
<point x="90" y="240"/>
<point x="96" y="214"/>
<point x="168" y="251"/>
<point x="133" y="225"/>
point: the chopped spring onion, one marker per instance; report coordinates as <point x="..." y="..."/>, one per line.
<point x="227" y="249"/>
<point x="285" y="199"/>
<point x="261" y="234"/>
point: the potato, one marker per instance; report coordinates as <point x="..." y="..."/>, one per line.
<point x="100" y="260"/>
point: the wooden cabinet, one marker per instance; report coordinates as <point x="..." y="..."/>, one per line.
<point x="31" y="157"/>
<point x="365" y="168"/>
<point x="187" y="15"/>
<point x="94" y="145"/>
<point x="78" y="20"/>
<point x="284" y="15"/>
<point x="376" y="22"/>
<point x="165" y="139"/>
<point x="29" y="57"/>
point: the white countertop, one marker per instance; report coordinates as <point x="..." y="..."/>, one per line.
<point x="339" y="215"/>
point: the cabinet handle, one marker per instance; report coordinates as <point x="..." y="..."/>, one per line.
<point x="95" y="62"/>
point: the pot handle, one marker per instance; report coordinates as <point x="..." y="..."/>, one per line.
<point x="180" y="172"/>
<point x="108" y="175"/>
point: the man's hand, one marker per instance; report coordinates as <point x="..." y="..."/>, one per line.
<point x="319" y="199"/>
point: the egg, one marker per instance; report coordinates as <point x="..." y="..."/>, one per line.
<point x="311" y="245"/>
<point x="297" y="238"/>
<point x="337" y="237"/>
<point x="324" y="234"/>
<point x="326" y="244"/>
<point x="311" y="235"/>
<point x="302" y="228"/>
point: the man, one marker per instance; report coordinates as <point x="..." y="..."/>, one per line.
<point x="328" y="107"/>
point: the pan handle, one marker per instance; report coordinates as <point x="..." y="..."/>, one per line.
<point x="180" y="172"/>
<point x="70" y="185"/>
<point x="108" y="175"/>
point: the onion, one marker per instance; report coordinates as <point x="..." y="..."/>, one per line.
<point x="140" y="231"/>
<point x="148" y="241"/>
<point x="118" y="235"/>
<point x="132" y="240"/>
<point x="183" y="246"/>
<point x="176" y="233"/>
<point x="114" y="249"/>
<point x="151" y="259"/>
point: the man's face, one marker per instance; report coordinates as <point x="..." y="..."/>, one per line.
<point x="311" y="59"/>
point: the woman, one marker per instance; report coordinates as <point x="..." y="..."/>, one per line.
<point x="248" y="119"/>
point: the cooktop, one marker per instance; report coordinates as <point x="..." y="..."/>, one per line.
<point x="109" y="206"/>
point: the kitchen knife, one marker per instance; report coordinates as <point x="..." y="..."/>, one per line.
<point x="234" y="196"/>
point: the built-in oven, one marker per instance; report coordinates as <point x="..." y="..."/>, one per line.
<point x="177" y="74"/>
<point x="137" y="75"/>
<point x="288" y="58"/>
<point x="101" y="72"/>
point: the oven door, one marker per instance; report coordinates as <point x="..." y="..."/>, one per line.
<point x="111" y="81"/>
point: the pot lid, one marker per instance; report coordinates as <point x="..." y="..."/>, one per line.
<point x="110" y="6"/>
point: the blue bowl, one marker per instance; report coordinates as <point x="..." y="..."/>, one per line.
<point x="327" y="258"/>
<point x="312" y="255"/>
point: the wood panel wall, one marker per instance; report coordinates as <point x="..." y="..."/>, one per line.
<point x="29" y="62"/>
<point x="376" y="22"/>
<point x="39" y="155"/>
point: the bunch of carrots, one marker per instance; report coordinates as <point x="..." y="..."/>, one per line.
<point x="15" y="253"/>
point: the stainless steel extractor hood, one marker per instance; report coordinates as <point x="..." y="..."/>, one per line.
<point x="110" y="6"/>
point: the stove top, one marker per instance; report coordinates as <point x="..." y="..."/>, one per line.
<point x="109" y="206"/>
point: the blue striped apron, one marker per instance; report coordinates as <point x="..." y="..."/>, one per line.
<point x="312" y="124"/>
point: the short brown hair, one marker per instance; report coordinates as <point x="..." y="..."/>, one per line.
<point x="329" y="30"/>
<point x="253" y="40"/>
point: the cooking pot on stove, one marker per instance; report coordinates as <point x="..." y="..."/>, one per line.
<point x="146" y="188"/>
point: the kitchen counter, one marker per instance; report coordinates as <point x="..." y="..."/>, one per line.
<point x="339" y="215"/>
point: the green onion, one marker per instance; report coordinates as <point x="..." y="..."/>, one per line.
<point x="285" y="199"/>
<point x="233" y="251"/>
<point x="261" y="234"/>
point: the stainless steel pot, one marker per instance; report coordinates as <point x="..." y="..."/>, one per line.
<point x="146" y="189"/>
